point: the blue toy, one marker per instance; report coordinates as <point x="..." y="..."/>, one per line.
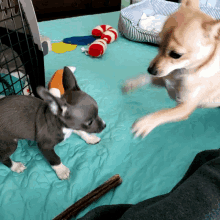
<point x="84" y="40"/>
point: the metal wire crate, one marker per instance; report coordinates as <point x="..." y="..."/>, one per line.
<point x="21" y="55"/>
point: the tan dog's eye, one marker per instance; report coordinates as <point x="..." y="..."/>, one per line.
<point x="174" y="55"/>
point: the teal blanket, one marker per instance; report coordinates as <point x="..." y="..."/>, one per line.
<point x="13" y="82"/>
<point x="148" y="167"/>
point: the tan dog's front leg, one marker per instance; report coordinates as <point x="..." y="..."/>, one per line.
<point x="147" y="123"/>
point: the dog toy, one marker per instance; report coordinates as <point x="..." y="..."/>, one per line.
<point x="61" y="47"/>
<point x="74" y="209"/>
<point x="99" y="30"/>
<point x="55" y="85"/>
<point x="98" y="47"/>
<point x="110" y="35"/>
<point x="85" y="40"/>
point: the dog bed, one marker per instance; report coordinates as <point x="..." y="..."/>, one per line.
<point x="148" y="167"/>
<point x="143" y="21"/>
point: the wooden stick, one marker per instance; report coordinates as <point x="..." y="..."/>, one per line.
<point x="94" y="195"/>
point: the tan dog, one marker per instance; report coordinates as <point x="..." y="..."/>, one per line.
<point x="188" y="62"/>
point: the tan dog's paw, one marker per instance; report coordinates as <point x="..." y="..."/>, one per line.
<point x="129" y="86"/>
<point x="144" y="126"/>
<point x="134" y="83"/>
<point x="92" y="139"/>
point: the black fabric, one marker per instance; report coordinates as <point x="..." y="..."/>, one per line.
<point x="195" y="197"/>
<point x="177" y="1"/>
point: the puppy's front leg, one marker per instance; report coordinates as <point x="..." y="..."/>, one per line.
<point x="88" y="138"/>
<point x="62" y="171"/>
<point x="147" y="123"/>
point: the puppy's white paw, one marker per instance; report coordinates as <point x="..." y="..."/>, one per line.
<point x="92" y="139"/>
<point x="62" y="171"/>
<point x="17" y="167"/>
<point x="144" y="126"/>
<point x="88" y="138"/>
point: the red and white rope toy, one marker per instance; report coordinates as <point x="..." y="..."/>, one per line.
<point x="99" y="30"/>
<point x="107" y="33"/>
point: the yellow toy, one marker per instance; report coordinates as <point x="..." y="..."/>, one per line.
<point x="62" y="47"/>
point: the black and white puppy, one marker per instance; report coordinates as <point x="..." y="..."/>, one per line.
<point x="48" y="122"/>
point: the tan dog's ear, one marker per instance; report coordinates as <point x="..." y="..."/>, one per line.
<point x="212" y="29"/>
<point x="190" y="3"/>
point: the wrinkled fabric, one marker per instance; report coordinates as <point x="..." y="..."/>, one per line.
<point x="195" y="197"/>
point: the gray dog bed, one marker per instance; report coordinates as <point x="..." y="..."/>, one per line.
<point x="142" y="21"/>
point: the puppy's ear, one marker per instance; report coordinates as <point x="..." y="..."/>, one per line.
<point x="57" y="106"/>
<point x="69" y="80"/>
<point x="212" y="29"/>
<point x="190" y="3"/>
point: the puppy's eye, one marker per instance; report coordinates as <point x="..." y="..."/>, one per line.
<point x="174" y="55"/>
<point x="90" y="123"/>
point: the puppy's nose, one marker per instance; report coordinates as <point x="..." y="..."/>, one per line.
<point x="152" y="70"/>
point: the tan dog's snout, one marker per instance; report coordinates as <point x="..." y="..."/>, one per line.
<point x="155" y="66"/>
<point x="152" y="69"/>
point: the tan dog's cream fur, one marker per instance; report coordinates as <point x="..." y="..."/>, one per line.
<point x="194" y="77"/>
